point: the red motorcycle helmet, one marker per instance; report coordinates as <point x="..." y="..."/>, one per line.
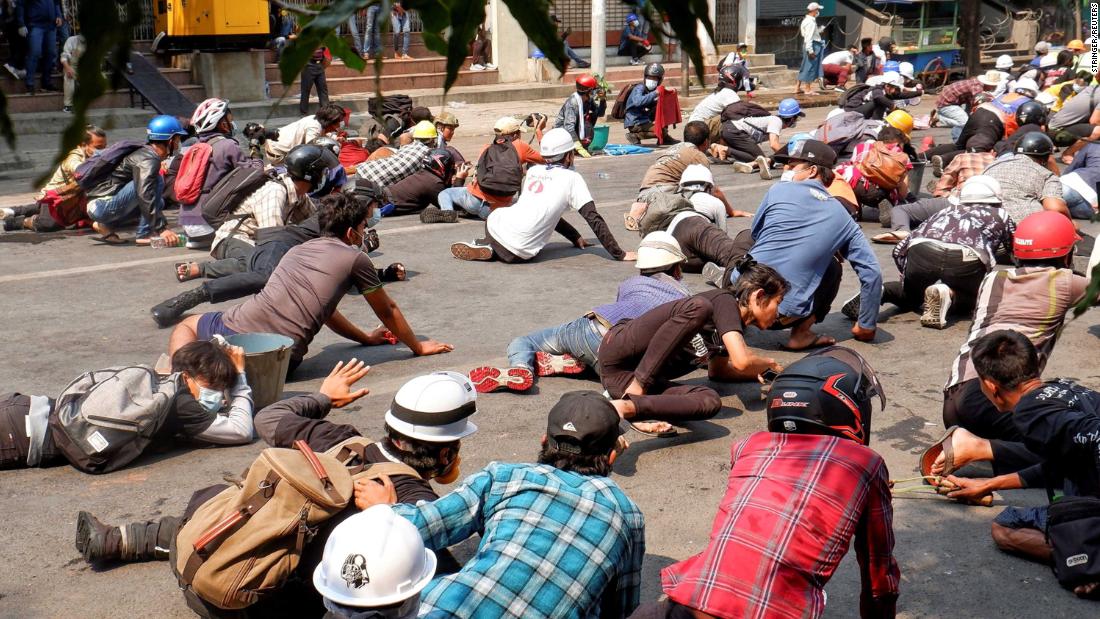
<point x="1043" y="235"/>
<point x="586" y="82"/>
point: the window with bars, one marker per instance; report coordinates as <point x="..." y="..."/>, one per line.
<point x="576" y="15"/>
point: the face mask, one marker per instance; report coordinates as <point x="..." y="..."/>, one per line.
<point x="787" y="175"/>
<point x="1078" y="88"/>
<point x="372" y="221"/>
<point x="651" y="84"/>
<point x="95" y="151"/>
<point x="211" y="399"/>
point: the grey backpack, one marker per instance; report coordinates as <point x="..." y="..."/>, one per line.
<point x="662" y="207"/>
<point x="105" y="418"/>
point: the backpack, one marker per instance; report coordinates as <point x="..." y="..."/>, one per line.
<point x="618" y="110"/>
<point x="661" y="207"/>
<point x="884" y="167"/>
<point x="247" y="540"/>
<point x="853" y="97"/>
<point x="105" y="418"/>
<point x="743" y="109"/>
<point x="98" y="168"/>
<point x="841" y="130"/>
<point x="193" y="169"/>
<point x="232" y="189"/>
<point x="398" y="107"/>
<point x="499" y="170"/>
<point x="1073" y="532"/>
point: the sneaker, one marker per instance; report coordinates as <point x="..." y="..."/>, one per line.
<point x="487" y="379"/>
<point x="91" y="538"/>
<point x="744" y="168"/>
<point x="472" y="251"/>
<point x="406" y="57"/>
<point x="490" y="66"/>
<point x="937" y="165"/>
<point x="477" y="67"/>
<point x="583" y="64"/>
<point x="937" y="302"/>
<point x="434" y="215"/>
<point x="16" y="73"/>
<point x="886" y="213"/>
<point x="68" y="109"/>
<point x="765" y="167"/>
<point x="838" y="89"/>
<point x="554" y="365"/>
<point x="713" y="274"/>
<point x="635" y="62"/>
<point x="851" y="308"/>
<point x="5" y="213"/>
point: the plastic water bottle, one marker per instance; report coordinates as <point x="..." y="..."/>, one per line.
<point x="603" y="175"/>
<point x="158" y="242"/>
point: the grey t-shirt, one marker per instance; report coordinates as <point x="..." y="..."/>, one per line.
<point x="1077" y="109"/>
<point x="304" y="291"/>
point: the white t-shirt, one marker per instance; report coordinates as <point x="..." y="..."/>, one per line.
<point x="301" y="131"/>
<point x="548" y="191"/>
<point x="842" y="57"/>
<point x="759" y="126"/>
<point x="713" y="105"/>
<point x="705" y="205"/>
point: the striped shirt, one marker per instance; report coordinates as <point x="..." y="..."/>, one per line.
<point x="793" y="504"/>
<point x="553" y="544"/>
<point x="960" y="93"/>
<point x="1030" y="300"/>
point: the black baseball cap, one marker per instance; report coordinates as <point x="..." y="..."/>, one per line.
<point x="810" y="151"/>
<point x="583" y="422"/>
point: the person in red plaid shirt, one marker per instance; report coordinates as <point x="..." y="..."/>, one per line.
<point x="797" y="496"/>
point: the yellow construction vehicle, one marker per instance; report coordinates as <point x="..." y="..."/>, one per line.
<point x="208" y="25"/>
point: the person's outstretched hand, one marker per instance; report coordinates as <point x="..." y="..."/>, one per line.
<point x="337" y="385"/>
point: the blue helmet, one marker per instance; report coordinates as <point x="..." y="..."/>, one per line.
<point x="163" y="127"/>
<point x="891" y="65"/>
<point x="789" y="108"/>
<point x="631" y="17"/>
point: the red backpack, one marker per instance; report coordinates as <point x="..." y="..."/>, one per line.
<point x="193" y="169"/>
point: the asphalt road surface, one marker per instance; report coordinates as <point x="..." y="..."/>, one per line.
<point x="68" y="305"/>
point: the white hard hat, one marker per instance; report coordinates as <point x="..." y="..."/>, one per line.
<point x="434" y="407"/>
<point x="893" y="78"/>
<point x="906" y="70"/>
<point x="556" y="142"/>
<point x="1028" y="84"/>
<point x="1004" y="61"/>
<point x="208" y="114"/>
<point x="696" y="173"/>
<point x="374" y="558"/>
<point x="980" y="189"/>
<point x="659" y="250"/>
<point x="508" y="124"/>
<point x="1048" y="61"/>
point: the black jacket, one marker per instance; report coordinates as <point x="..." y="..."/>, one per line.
<point x="142" y="167"/>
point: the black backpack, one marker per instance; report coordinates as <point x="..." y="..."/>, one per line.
<point x="853" y="97"/>
<point x="396" y="106"/>
<point x="1073" y="532"/>
<point x="743" y="109"/>
<point x="618" y="111"/>
<point x="499" y="171"/>
<point x="230" y="191"/>
<point x="97" y="169"/>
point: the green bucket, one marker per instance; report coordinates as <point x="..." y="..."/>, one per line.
<point x="599" y="137"/>
<point x="266" y="360"/>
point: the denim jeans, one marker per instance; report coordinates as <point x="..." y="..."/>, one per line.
<point x="459" y="196"/>
<point x="953" y="116"/>
<point x="1078" y="206"/>
<point x="572" y="54"/>
<point x="399" y="25"/>
<point x="372" y="36"/>
<point x="42" y="47"/>
<point x="578" y="338"/>
<point x="117" y="209"/>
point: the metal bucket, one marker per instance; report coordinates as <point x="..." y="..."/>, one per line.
<point x="266" y="360"/>
<point x="916" y="177"/>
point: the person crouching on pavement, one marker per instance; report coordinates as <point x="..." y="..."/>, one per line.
<point x="640" y="358"/>
<point x="580" y="111"/>
<point x="797" y="495"/>
<point x="641" y="108"/>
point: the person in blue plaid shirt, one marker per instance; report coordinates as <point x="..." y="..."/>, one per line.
<point x="558" y="538"/>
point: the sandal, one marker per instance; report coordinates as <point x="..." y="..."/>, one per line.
<point x="890" y="238"/>
<point x="111" y="238"/>
<point x="194" y="271"/>
<point x="393" y="273"/>
<point x="928" y="458"/>
<point x="670" y="432"/>
<point x="820" y="341"/>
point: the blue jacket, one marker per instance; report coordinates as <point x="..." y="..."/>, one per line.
<point x="37" y="12"/>
<point x="796" y="231"/>
<point x="641" y="106"/>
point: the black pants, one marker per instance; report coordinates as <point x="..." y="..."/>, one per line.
<point x="980" y="133"/>
<point x="652" y="349"/>
<point x="634" y="49"/>
<point x="500" y="252"/>
<point x="261" y="263"/>
<point x="742" y="146"/>
<point x="230" y="256"/>
<point x="965" y="405"/>
<point x="17" y="45"/>
<point x="703" y="242"/>
<point x="928" y="263"/>
<point x="40" y="216"/>
<point x="313" y="74"/>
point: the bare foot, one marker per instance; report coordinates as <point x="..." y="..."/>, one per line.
<point x="186" y="271"/>
<point x="801" y="340"/>
<point x="966" y="448"/>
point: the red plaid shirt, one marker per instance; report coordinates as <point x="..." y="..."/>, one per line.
<point x="960" y="93"/>
<point x="793" y="503"/>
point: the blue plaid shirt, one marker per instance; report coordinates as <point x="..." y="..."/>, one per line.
<point x="553" y="544"/>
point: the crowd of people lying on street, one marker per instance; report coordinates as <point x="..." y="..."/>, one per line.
<point x="288" y="219"/>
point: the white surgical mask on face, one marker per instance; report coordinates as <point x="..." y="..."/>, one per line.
<point x="1078" y="87"/>
<point x="651" y="84"/>
<point x="787" y="175"/>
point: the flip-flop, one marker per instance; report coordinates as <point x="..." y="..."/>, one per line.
<point x="185" y="278"/>
<point x="889" y="238"/>
<point x="110" y="239"/>
<point x="666" y="434"/>
<point x="554" y="365"/>
<point x="820" y="341"/>
<point x="928" y="458"/>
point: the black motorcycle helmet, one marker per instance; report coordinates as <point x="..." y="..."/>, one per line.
<point x="327" y="143"/>
<point x="364" y="190"/>
<point x="1031" y="113"/>
<point x="1035" y="144"/>
<point x="827" y="392"/>
<point x="309" y="162"/>
<point x="441" y="163"/>
<point x="655" y="71"/>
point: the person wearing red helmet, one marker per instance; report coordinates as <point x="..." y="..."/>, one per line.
<point x="580" y="111"/>
<point x="1031" y="299"/>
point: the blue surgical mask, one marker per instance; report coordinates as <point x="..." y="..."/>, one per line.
<point x="372" y="221"/>
<point x="211" y="399"/>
